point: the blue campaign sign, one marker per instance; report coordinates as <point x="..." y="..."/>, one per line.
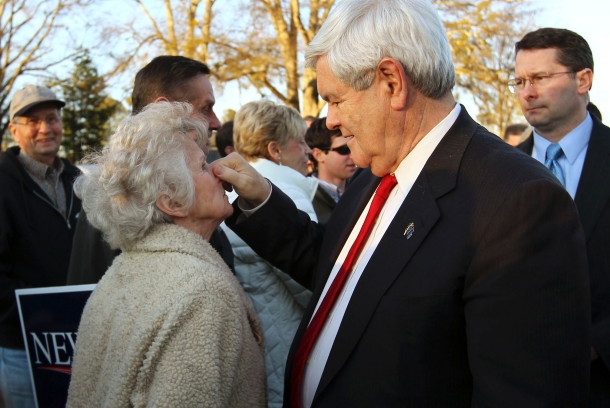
<point x="49" y="321"/>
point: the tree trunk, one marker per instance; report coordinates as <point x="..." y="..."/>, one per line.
<point x="311" y="106"/>
<point x="292" y="76"/>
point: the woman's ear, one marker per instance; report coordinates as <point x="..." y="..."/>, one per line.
<point x="170" y="207"/>
<point x="274" y="151"/>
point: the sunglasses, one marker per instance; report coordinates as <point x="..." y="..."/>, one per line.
<point x="342" y="150"/>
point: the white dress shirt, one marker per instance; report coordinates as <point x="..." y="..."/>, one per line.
<point x="406" y="174"/>
<point x="574" y="146"/>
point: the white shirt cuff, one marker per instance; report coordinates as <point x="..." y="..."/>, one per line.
<point x="245" y="208"/>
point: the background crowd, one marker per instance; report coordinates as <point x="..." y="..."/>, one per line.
<point x="393" y="253"/>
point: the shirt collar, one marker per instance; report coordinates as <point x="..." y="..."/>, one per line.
<point x="410" y="167"/>
<point x="572" y="144"/>
<point x="328" y="185"/>
<point x="39" y="169"/>
<point x="334" y="191"/>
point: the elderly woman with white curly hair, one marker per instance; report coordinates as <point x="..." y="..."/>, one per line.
<point x="168" y="324"/>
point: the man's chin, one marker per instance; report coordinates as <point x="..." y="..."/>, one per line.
<point x="535" y="116"/>
<point x="361" y="163"/>
<point x="536" y="122"/>
<point x="48" y="152"/>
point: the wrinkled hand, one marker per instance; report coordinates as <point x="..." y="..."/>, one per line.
<point x="247" y="182"/>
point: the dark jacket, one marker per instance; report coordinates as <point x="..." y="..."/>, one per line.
<point x="486" y="304"/>
<point x="593" y="203"/>
<point x="323" y="204"/>
<point x="35" y="238"/>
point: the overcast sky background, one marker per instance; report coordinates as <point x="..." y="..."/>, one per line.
<point x="586" y="17"/>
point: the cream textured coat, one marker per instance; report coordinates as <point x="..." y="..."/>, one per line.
<point x="168" y="326"/>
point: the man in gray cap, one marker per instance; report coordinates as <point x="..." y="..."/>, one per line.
<point x="38" y="212"/>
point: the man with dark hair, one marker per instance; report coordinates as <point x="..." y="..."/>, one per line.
<point x="165" y="78"/>
<point x="175" y="78"/>
<point x="513" y="133"/>
<point x="38" y="212"/>
<point x="333" y="166"/>
<point x="168" y="77"/>
<point x="224" y="139"/>
<point x="553" y="76"/>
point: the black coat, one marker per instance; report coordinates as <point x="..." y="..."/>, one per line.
<point x="323" y="205"/>
<point x="35" y="238"/>
<point x="593" y="203"/>
<point x="486" y="304"/>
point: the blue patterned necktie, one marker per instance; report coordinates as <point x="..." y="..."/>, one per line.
<point x="554" y="152"/>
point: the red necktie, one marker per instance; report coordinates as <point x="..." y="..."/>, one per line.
<point x="387" y="184"/>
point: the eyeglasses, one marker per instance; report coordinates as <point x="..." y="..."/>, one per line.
<point x="35" y="124"/>
<point x="536" y="81"/>
<point x="342" y="150"/>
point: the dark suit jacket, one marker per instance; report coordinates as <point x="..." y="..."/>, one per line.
<point x="593" y="203"/>
<point x="323" y="205"/>
<point x="486" y="304"/>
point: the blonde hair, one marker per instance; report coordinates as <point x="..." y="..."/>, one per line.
<point x="259" y="123"/>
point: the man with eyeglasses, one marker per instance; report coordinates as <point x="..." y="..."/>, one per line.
<point x="553" y="76"/>
<point x="333" y="166"/>
<point x="38" y="213"/>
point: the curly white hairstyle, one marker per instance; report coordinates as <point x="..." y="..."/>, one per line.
<point x="358" y="34"/>
<point x="145" y="158"/>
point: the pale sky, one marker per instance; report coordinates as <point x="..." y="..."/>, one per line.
<point x="586" y="17"/>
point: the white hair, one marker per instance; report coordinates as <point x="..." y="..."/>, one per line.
<point x="358" y="34"/>
<point x="145" y="158"/>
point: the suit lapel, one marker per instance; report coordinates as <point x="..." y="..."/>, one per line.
<point x="594" y="186"/>
<point x="345" y="215"/>
<point x="395" y="250"/>
<point x="325" y="196"/>
<point x="339" y="226"/>
<point x="338" y="229"/>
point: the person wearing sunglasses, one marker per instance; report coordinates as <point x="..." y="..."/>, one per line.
<point x="333" y="166"/>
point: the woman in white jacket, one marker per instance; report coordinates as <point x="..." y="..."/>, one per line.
<point x="271" y="138"/>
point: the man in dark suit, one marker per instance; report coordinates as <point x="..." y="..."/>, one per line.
<point x="554" y="72"/>
<point x="471" y="287"/>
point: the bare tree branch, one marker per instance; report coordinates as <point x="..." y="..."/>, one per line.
<point x="27" y="25"/>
